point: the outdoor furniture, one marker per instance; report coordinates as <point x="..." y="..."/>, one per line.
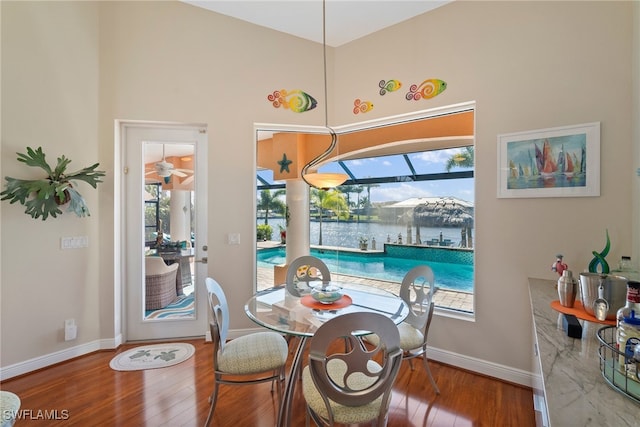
<point x="250" y="359"/>
<point x="161" y="283"/>
<point x="351" y="384"/>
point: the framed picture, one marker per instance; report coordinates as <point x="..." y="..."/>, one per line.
<point x="555" y="162"/>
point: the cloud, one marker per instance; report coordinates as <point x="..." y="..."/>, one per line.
<point x="437" y="156"/>
<point x="397" y="193"/>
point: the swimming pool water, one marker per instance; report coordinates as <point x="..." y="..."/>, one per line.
<point x="452" y="276"/>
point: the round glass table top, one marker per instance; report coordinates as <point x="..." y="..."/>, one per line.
<point x="277" y="309"/>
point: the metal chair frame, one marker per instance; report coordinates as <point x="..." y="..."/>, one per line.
<point x="421" y="307"/>
<point x="358" y="359"/>
<point x="219" y="326"/>
<point x="312" y="264"/>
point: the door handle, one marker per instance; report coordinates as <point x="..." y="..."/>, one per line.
<point x="204" y="260"/>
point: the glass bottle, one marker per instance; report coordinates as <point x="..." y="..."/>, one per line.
<point x="628" y="340"/>
<point x="633" y="302"/>
<point x="626" y="269"/>
<point x="632" y="306"/>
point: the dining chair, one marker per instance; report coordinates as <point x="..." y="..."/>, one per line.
<point x="250" y="359"/>
<point x="416" y="290"/>
<point x="304" y="270"/>
<point x="351" y="384"/>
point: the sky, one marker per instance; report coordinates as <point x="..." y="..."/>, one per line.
<point x="423" y="162"/>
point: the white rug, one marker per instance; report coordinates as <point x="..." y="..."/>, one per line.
<point x="152" y="356"/>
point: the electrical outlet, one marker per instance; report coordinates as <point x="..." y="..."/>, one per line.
<point x="70" y="330"/>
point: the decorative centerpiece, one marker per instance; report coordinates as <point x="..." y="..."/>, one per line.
<point x="326" y="293"/>
<point x="599" y="262"/>
<point x="43" y="197"/>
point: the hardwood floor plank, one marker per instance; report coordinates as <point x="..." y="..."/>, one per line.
<point x="95" y="395"/>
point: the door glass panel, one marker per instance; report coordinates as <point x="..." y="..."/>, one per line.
<point x="169" y="237"/>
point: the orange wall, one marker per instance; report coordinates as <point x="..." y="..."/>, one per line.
<point x="301" y="148"/>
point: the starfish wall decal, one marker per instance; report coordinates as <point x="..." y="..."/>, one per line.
<point x="284" y="163"/>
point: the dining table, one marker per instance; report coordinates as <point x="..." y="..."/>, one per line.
<point x="300" y="316"/>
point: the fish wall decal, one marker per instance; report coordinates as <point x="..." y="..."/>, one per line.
<point x="427" y="89"/>
<point x="362" y="106"/>
<point x="389" y="86"/>
<point x="295" y="100"/>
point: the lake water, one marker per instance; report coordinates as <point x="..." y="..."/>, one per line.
<point x="347" y="234"/>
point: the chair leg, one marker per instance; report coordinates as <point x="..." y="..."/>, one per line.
<point x="426" y="367"/>
<point x="212" y="401"/>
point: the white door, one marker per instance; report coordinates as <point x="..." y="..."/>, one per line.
<point x="164" y="215"/>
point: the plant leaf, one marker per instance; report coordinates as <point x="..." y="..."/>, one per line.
<point x="88" y="175"/>
<point x="77" y="203"/>
<point x="58" y="172"/>
<point x="35" y="158"/>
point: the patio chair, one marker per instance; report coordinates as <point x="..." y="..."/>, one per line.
<point x="351" y="384"/>
<point x="417" y="289"/>
<point x="250" y="359"/>
<point x="161" y="281"/>
<point x="304" y="270"/>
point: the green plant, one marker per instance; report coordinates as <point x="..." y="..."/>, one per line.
<point x="43" y="197"/>
<point x="264" y="232"/>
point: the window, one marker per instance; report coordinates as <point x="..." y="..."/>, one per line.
<point x="406" y="203"/>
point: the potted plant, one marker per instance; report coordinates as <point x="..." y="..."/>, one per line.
<point x="364" y="242"/>
<point x="283" y="234"/>
<point x="43" y="197"/>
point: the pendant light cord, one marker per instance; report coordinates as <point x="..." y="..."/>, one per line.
<point x="334" y="137"/>
<point x="324" y="63"/>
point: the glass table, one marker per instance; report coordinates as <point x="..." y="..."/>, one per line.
<point x="278" y="310"/>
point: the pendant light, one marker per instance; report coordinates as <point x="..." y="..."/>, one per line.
<point x="324" y="181"/>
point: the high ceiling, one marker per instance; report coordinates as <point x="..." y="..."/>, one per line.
<point x="346" y="20"/>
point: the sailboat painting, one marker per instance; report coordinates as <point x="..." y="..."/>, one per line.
<point x="556" y="162"/>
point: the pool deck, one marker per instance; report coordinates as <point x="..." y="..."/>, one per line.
<point x="462" y="301"/>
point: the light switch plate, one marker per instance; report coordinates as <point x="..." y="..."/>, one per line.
<point x="74" y="242"/>
<point x="233" y="238"/>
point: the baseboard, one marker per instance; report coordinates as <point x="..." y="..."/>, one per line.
<point x="505" y="373"/>
<point x="40" y="362"/>
<point x="484" y="367"/>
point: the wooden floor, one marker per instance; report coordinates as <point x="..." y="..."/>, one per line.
<point x="87" y="392"/>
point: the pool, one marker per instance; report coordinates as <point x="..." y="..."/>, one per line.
<point x="452" y="269"/>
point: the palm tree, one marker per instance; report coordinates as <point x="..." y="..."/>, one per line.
<point x="328" y="199"/>
<point x="348" y="189"/>
<point x="462" y="159"/>
<point x="271" y="202"/>
<point x="358" y="189"/>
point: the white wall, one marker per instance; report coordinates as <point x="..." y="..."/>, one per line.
<point x="528" y="65"/>
<point x="50" y="69"/>
<point x="69" y="69"/>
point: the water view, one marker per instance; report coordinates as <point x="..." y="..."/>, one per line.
<point x="347" y="234"/>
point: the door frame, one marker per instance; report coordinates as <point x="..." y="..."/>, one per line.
<point x="165" y="329"/>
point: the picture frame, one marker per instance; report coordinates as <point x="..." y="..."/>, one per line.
<point x="555" y="162"/>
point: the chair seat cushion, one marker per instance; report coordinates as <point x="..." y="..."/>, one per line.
<point x="342" y="414"/>
<point x="410" y="337"/>
<point x="253" y="353"/>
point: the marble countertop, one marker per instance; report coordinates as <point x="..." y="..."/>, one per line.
<point x="576" y="394"/>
